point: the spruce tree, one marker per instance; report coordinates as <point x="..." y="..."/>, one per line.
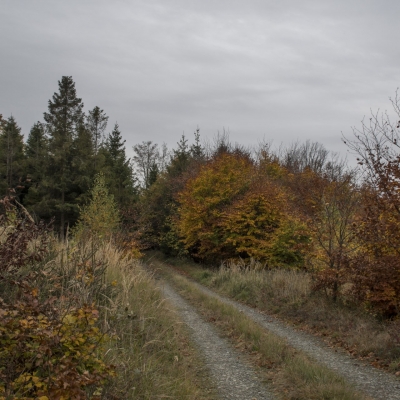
<point x="12" y="157"/>
<point x="96" y="123"/>
<point x="119" y="170"/>
<point x="63" y="119"/>
<point x="196" y="149"/>
<point x="99" y="218"/>
<point x="83" y="168"/>
<point x="36" y="151"/>
<point x="154" y="173"/>
<point x="180" y="159"/>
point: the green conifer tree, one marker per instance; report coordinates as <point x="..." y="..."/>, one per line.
<point x="12" y="156"/>
<point x="119" y="170"/>
<point x="36" y="151"/>
<point x="96" y="123"/>
<point x="196" y="149"/>
<point x="83" y="166"/>
<point x="100" y="217"/>
<point x="180" y="158"/>
<point x="63" y="119"/>
<point x="154" y="173"/>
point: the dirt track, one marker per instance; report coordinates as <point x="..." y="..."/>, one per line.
<point x="375" y="383"/>
<point x="233" y="376"/>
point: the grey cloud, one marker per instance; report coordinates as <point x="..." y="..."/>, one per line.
<point x="282" y="70"/>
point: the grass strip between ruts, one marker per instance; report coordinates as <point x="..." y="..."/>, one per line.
<point x="292" y="374"/>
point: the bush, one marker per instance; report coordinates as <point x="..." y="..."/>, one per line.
<point x="50" y="344"/>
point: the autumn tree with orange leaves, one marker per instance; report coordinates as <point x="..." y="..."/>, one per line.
<point x="230" y="210"/>
<point x="376" y="270"/>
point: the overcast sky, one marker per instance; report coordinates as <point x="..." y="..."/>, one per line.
<point x="262" y="69"/>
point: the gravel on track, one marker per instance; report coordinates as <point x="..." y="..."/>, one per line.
<point x="375" y="383"/>
<point x="233" y="377"/>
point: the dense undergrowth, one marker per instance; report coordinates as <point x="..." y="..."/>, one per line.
<point x="289" y="295"/>
<point x="83" y="320"/>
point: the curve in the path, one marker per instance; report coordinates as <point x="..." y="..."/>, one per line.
<point x="233" y="378"/>
<point x="375" y="383"/>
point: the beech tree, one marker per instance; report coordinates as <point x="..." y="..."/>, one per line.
<point x="231" y="209"/>
<point x="202" y="203"/>
<point x="332" y="228"/>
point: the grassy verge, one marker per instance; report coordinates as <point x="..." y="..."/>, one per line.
<point x="153" y="356"/>
<point x="288" y="295"/>
<point x="83" y="320"/>
<point x="292" y="373"/>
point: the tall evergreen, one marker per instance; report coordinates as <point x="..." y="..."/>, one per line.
<point x="11" y="155"/>
<point x="180" y="158"/>
<point x="83" y="171"/>
<point x="196" y="149"/>
<point x="96" y="123"/>
<point x="63" y="119"/>
<point x="115" y="144"/>
<point x="119" y="170"/>
<point x="36" y="151"/>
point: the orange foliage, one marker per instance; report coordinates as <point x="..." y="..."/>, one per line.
<point x="251" y="221"/>
<point x="375" y="271"/>
<point x="204" y="200"/>
<point x="231" y="210"/>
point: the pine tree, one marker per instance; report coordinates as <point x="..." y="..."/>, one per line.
<point x="11" y="155"/>
<point x="62" y="122"/>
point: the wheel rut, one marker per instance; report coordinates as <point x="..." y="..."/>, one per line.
<point x="375" y="383"/>
<point x="233" y="377"/>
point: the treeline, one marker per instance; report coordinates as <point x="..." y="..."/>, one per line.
<point x="52" y="173"/>
<point x="295" y="207"/>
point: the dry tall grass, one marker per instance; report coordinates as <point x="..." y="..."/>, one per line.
<point x="246" y="282"/>
<point x="130" y="324"/>
<point x="153" y="356"/>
